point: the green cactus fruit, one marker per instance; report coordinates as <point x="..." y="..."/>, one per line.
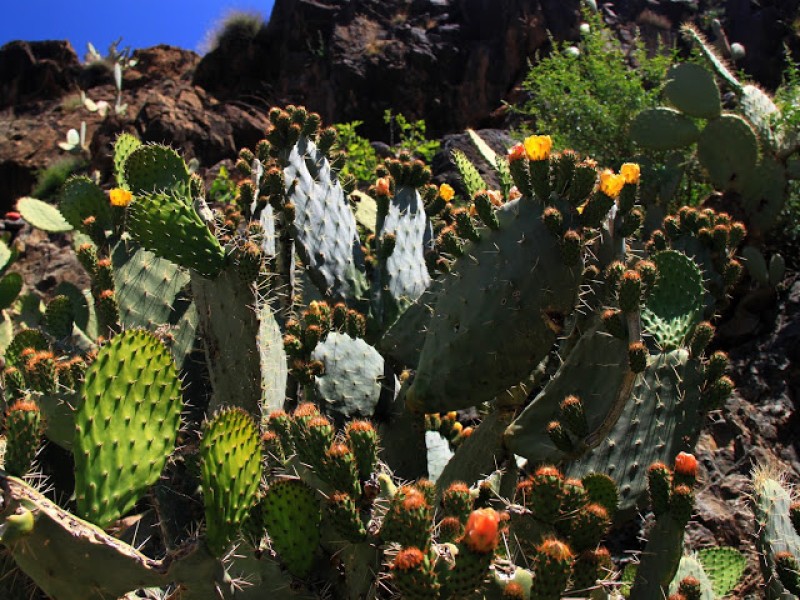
<point x="151" y="169"/>
<point x="363" y="440"/>
<point x="691" y="89"/>
<point x="26" y="341"/>
<point x="560" y="438"/>
<point x="571" y="244"/>
<point x="292" y="514"/>
<point x="563" y="170"/>
<point x="230" y="454"/>
<point x="544" y="496"/>
<point x="40" y="372"/>
<point x="614" y="323"/>
<point x="273" y="449"/>
<point x="125" y="425"/>
<point x="87" y="256"/>
<point x="457" y="501"/>
<point x="681" y="503"/>
<point x="343" y="514"/>
<point x="663" y="128"/>
<point x="551" y="570"/>
<point x="449" y="530"/>
<point x="485" y="209"/>
<point x="637" y="357"/>
<point x="701" y="336"/>
<point x="573" y="416"/>
<point x="659" y="483"/>
<point x="81" y="198"/>
<point x="470" y="176"/>
<point x="248" y="260"/>
<point x="315" y="439"/>
<point x="588" y="526"/>
<point x="414" y="575"/>
<point x="340" y="469"/>
<point x="553" y="220"/>
<point x="107" y="310"/>
<point x="589" y="567"/>
<point x="602" y="490"/>
<point x="408" y="519"/>
<point x="728" y="150"/>
<point x="630" y="291"/>
<point x="167" y="225"/>
<point x="24" y="430"/>
<point x="13" y="384"/>
<point x="280" y="423"/>
<point x="59" y="317"/>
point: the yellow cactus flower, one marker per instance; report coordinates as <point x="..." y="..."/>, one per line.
<point x="446" y="192"/>
<point x="631" y="172"/>
<point x="611" y="183"/>
<point x="120" y="197"/>
<point x="538" y="147"/>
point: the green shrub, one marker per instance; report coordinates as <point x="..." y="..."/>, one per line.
<point x="50" y="179"/>
<point x="234" y="28"/>
<point x="410" y="136"/>
<point x="362" y="157"/>
<point x="585" y="96"/>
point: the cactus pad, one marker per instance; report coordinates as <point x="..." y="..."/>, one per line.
<point x="125" y="144"/>
<point x="152" y="168"/>
<point x="42" y="215"/>
<point x="125" y="425"/>
<point x="353" y="381"/>
<point x="230" y="454"/>
<point x="82" y="198"/>
<point x="663" y="128"/>
<point x="728" y="150"/>
<point x="691" y="89"/>
<point x="497" y="313"/>
<point x="325" y="227"/>
<point x="724" y="567"/>
<point x="675" y="303"/>
<point x="169" y="226"/>
<point x="292" y="514"/>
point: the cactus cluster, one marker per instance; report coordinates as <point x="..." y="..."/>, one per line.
<point x="257" y="379"/>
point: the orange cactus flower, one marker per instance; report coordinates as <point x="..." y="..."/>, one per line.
<point x="686" y="465"/>
<point x="481" y="531"/>
<point x="516" y="153"/>
<point x="537" y="147"/>
<point x="495" y="197"/>
<point x="631" y="172"/>
<point x="446" y="192"/>
<point x="120" y="197"/>
<point x="611" y="183"/>
<point x="382" y="186"/>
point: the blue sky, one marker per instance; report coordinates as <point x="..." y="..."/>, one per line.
<point x="140" y="23"/>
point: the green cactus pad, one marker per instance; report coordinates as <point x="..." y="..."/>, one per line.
<point x="150" y="169"/>
<point x="675" y="304"/>
<point x="759" y="109"/>
<point x="42" y="215"/>
<point x="724" y="567"/>
<point x="728" y="151"/>
<point x="764" y="194"/>
<point x="227" y="320"/>
<point x="59" y="317"/>
<point x="663" y="128"/>
<point x="230" y="472"/>
<point x="661" y="419"/>
<point x="325" y="227"/>
<point x="497" y="314"/>
<point x="125" y="425"/>
<point x="355" y="378"/>
<point x="5" y="255"/>
<point x="123" y="147"/>
<point x="151" y="294"/>
<point x="592" y="372"/>
<point x="81" y="198"/>
<point x="691" y="89"/>
<point x="274" y="370"/>
<point x="171" y="228"/>
<point x="10" y="287"/>
<point x="292" y="514"/>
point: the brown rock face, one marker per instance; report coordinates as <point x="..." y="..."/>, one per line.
<point x="451" y="62"/>
<point x="36" y="71"/>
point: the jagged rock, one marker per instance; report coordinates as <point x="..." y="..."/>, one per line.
<point x="451" y="62"/>
<point x="36" y="71"/>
